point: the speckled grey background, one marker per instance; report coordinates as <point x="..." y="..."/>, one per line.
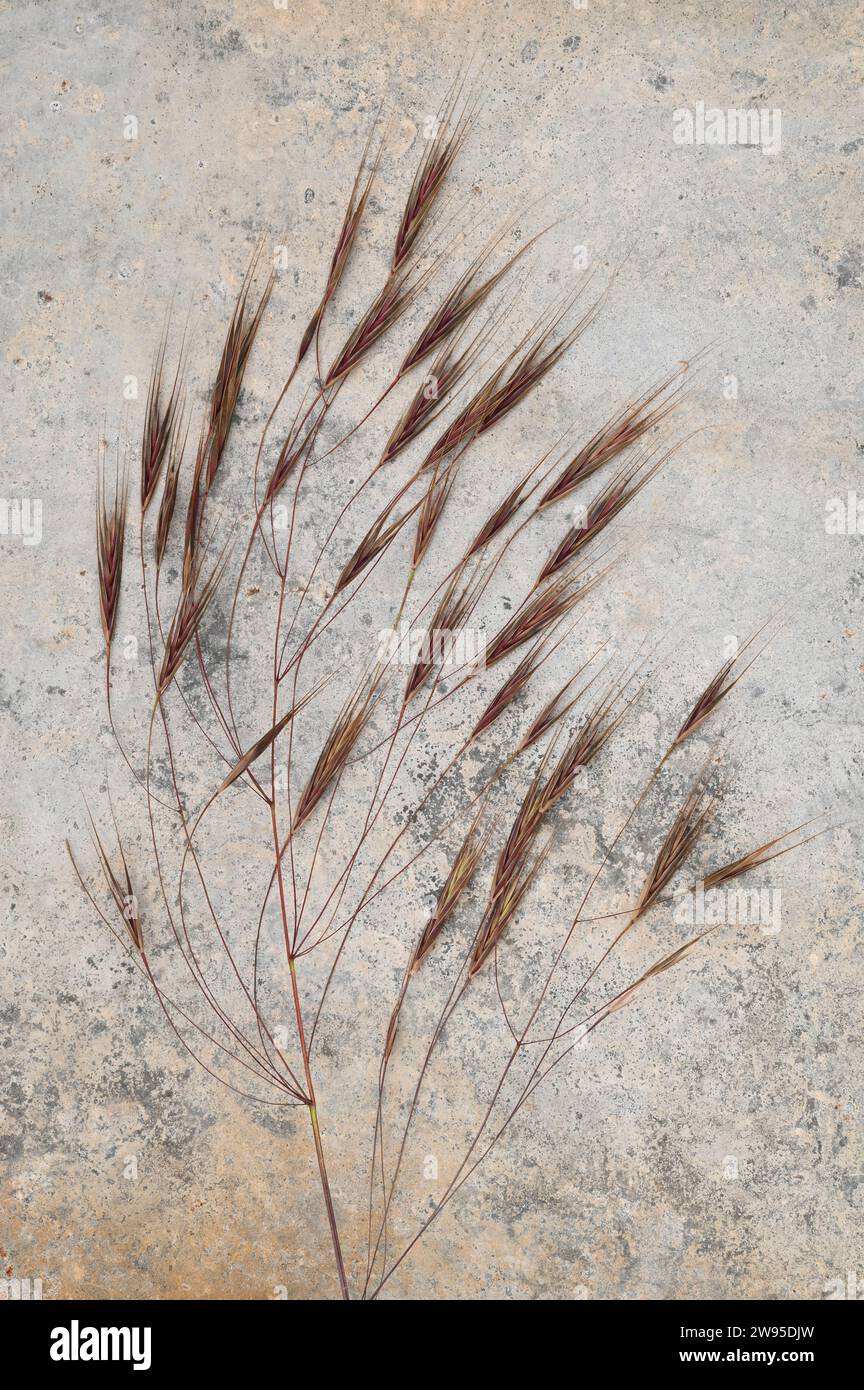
<point x="615" y="1183"/>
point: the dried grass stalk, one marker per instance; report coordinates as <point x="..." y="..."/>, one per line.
<point x="349" y="725"/>
<point x="684" y="833"/>
<point x="616" y="435"/>
<point x="235" y="1036"/>
<point x="195" y="598"/>
<point x="359" y="197"/>
<point x="755" y="858"/>
<point x="461" y="872"/>
<point x="159" y="421"/>
<point x="715" y="692"/>
<point x="449" y="136"/>
<point x="110" y="542"/>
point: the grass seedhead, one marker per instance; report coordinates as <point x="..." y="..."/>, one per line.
<point x="504" y="903"/>
<point x="448" y="137"/>
<point x="323" y="851"/>
<point x="449" y="369"/>
<point x="110" y="542"/>
<point x="716" y="691"/>
<point x="540" y="612"/>
<point x="242" y="332"/>
<point x="349" y="725"/>
<point x="120" y="887"/>
<point x="453" y="609"/>
<point x="434" y="502"/>
<point x="618" y="434"/>
<point x="686" y="829"/>
<point x="168" y="500"/>
<point x="514" y="379"/>
<point x="376" y="540"/>
<point x="196" y="595"/>
<point x="360" y="191"/>
<point x="398" y="291"/>
<point x="757" y="857"/>
<point x="511" y="689"/>
<point x="627" y="483"/>
<point x="159" y="421"/>
<point x="556" y="709"/>
<point x="462" y="301"/>
<point x="457" y="881"/>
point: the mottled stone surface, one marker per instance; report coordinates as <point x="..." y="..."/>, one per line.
<point x="707" y="1140"/>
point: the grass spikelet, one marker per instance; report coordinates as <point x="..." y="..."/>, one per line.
<point x="373" y="544"/>
<point x="242" y="332"/>
<point x="169" y="491"/>
<point x="293" y="450"/>
<point x="624" y="429"/>
<point x="110" y="542"/>
<point x="459" y="877"/>
<point x="446" y="373"/>
<point x="194" y="600"/>
<point x="454" y="607"/>
<point x="195" y="509"/>
<point x="523" y="369"/>
<point x="121" y="890"/>
<point x="461" y="301"/>
<point x="503" y="906"/>
<point x="552" y="780"/>
<point x="519" y="679"/>
<point x="757" y="857"/>
<point x="516" y="865"/>
<point x="627" y="483"/>
<point x="434" y="502"/>
<point x="541" y="611"/>
<point x="263" y="743"/>
<point x="359" y="197"/>
<point x="511" y="689"/>
<point x="542" y="354"/>
<point x="715" y="692"/>
<point x="592" y="735"/>
<point x="349" y="725"/>
<point x="556" y="709"/>
<point x="680" y="840"/>
<point x="441" y="151"/>
<point x="503" y="514"/>
<point x="398" y="291"/>
<point x="159" y="421"/>
<point x="665" y="963"/>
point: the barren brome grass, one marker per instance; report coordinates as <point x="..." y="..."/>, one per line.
<point x="340" y="869"/>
